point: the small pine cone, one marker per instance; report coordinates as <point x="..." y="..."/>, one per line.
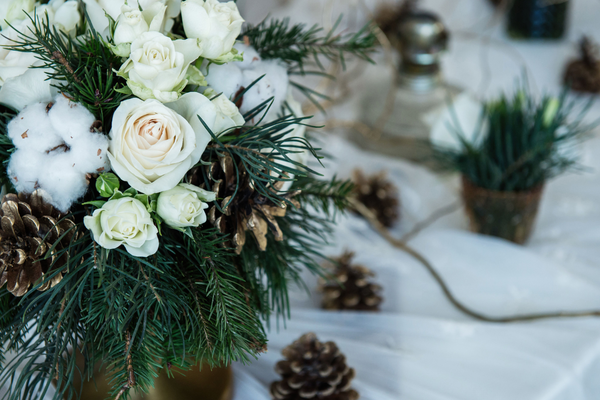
<point x="241" y="207"/>
<point x="350" y="287"/>
<point x="379" y="195"/>
<point x="313" y="370"/>
<point x="583" y="75"/>
<point x="30" y="227"/>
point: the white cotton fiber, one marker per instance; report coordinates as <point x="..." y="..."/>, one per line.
<point x="226" y="79"/>
<point x="58" y="151"/>
<point x="231" y="77"/>
<point x="274" y="84"/>
<point x="251" y="56"/>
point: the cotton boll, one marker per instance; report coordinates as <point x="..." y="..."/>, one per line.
<point x="28" y="168"/>
<point x="56" y="150"/>
<point x="31" y="87"/>
<point x="91" y="154"/>
<point x="274" y="84"/>
<point x="226" y="79"/>
<point x="73" y="119"/>
<point x="32" y="130"/>
<point x="63" y="182"/>
<point x="251" y="56"/>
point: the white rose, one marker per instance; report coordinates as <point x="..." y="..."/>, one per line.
<point x="216" y="25"/>
<point x="97" y="8"/>
<point x="127" y="222"/>
<point x="65" y="16"/>
<point x="184" y="205"/>
<point x="130" y="25"/>
<point x="154" y="145"/>
<point x="228" y="115"/>
<point x="14" y="10"/>
<point x="157" y="66"/>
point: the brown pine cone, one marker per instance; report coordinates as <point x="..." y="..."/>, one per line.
<point x="379" y="195"/>
<point x="243" y="208"/>
<point x="29" y="228"/>
<point x="583" y="75"/>
<point x="350" y="287"/>
<point x="313" y="370"/>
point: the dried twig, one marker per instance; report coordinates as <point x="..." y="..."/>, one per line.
<point x="401" y="245"/>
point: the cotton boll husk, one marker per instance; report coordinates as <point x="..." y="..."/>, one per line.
<point x="62" y="180"/>
<point x="28" y="166"/>
<point x="72" y="120"/>
<point x="274" y="84"/>
<point x="226" y="78"/>
<point x="32" y="130"/>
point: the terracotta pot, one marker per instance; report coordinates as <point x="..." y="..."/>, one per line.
<point x="205" y="384"/>
<point x="508" y="215"/>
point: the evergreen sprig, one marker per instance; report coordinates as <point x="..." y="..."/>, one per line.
<point x="298" y="44"/>
<point x="520" y="143"/>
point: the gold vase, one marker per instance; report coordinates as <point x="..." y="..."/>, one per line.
<point x="197" y="384"/>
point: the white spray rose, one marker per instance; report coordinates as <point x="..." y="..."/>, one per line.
<point x="127" y="222"/>
<point x="184" y="205"/>
<point x="97" y="10"/>
<point x="154" y="145"/>
<point x="216" y="25"/>
<point x="157" y="66"/>
<point x="14" y="10"/>
<point x="228" y="115"/>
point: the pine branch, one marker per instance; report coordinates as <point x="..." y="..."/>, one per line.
<point x="297" y="44"/>
<point x="327" y="196"/>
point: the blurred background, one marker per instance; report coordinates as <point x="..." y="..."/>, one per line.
<point x="408" y="128"/>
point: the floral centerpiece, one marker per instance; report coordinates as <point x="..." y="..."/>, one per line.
<point x="156" y="186"/>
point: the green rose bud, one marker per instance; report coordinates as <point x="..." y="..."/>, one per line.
<point x="107" y="184"/>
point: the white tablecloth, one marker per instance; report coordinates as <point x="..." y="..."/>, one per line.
<point x="419" y="347"/>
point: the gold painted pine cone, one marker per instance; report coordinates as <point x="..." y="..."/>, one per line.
<point x="351" y="288"/>
<point x="29" y="228"/>
<point x="379" y="195"/>
<point x="244" y="210"/>
<point x="313" y="370"/>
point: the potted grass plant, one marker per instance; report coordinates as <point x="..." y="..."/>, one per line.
<point x="510" y="148"/>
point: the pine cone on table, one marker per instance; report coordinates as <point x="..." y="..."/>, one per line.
<point x="313" y="370"/>
<point x="583" y="74"/>
<point x="244" y="210"/>
<point x="379" y="195"/>
<point x="351" y="288"/>
<point x="29" y="228"/>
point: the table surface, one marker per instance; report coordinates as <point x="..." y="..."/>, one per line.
<point x="419" y="347"/>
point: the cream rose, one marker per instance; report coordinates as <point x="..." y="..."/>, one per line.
<point x="15" y="10"/>
<point x="153" y="146"/>
<point x="127" y="222"/>
<point x="184" y="205"/>
<point x="157" y="66"/>
<point x="216" y="25"/>
<point x="228" y="115"/>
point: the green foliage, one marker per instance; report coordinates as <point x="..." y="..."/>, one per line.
<point x="298" y="44"/>
<point x="83" y="67"/>
<point x="526" y="142"/>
